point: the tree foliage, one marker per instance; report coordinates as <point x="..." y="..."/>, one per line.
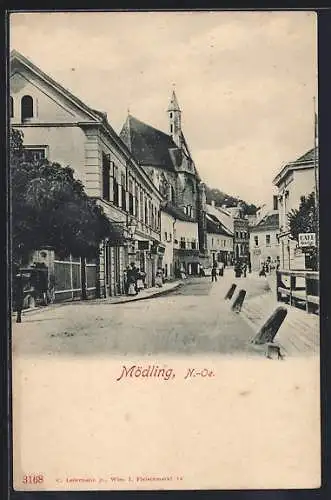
<point x="50" y="208"/>
<point x="220" y="198"/>
<point x="305" y="218"/>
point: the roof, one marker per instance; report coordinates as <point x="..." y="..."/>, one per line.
<point x="98" y="117"/>
<point x="173" y="106"/>
<point x="304" y="161"/>
<point x="222" y="217"/>
<point x="216" y="227"/>
<point x="269" y="221"/>
<point x="176" y="212"/>
<point x="148" y="145"/>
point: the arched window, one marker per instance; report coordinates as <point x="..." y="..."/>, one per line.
<point x="11" y="107"/>
<point x="26" y="107"/>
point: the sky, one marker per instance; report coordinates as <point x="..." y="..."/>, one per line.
<point x="245" y="81"/>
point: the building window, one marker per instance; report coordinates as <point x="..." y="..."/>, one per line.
<point x="256" y="241"/>
<point x="182" y="242"/>
<point x="123" y="192"/>
<point x="194" y="244"/>
<point x="105" y="177"/>
<point x="170" y="237"/>
<point x="166" y="236"/>
<point x="137" y="203"/>
<point x="170" y="115"/>
<point x="26" y="107"/>
<point x="34" y="154"/>
<point x="171" y="128"/>
<point x="115" y="189"/>
<point x="146" y="213"/>
<point x="131" y="198"/>
<point x="267" y="240"/>
<point x="237" y="234"/>
<point x="11" y="107"/>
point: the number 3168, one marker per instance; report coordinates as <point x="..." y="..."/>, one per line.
<point x="33" y="479"/>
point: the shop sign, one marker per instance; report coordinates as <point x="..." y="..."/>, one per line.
<point x="307" y="240"/>
<point x="143" y="244"/>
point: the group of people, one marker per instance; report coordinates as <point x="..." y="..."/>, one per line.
<point x="240" y="268"/>
<point x="268" y="266"/>
<point x="217" y="270"/>
<point x="134" y="280"/>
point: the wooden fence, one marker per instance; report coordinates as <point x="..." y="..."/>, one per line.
<point x="299" y="288"/>
<point x="68" y="279"/>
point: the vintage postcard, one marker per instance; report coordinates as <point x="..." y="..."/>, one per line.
<point x="165" y="250"/>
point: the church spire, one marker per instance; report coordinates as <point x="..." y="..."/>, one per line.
<point x="175" y="125"/>
<point x="173" y="105"/>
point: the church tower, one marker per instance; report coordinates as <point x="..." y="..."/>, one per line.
<point x="175" y="124"/>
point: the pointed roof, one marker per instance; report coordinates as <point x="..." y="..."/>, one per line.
<point x="173" y="106"/>
<point x="149" y="146"/>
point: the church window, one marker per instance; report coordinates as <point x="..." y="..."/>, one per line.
<point x="170" y="115"/>
<point x="11" y="107"/>
<point x="171" y="128"/>
<point x="26" y="107"/>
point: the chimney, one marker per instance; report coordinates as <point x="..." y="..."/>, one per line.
<point x="212" y="203"/>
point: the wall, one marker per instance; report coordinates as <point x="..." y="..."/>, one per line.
<point x="187" y="230"/>
<point x="217" y="243"/>
<point x="65" y="145"/>
<point x="167" y="238"/>
<point x="259" y="253"/>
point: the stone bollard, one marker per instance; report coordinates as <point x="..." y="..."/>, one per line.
<point x="230" y="292"/>
<point x="268" y="331"/>
<point x="237" y="304"/>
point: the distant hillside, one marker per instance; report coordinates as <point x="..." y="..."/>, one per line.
<point x="221" y="198"/>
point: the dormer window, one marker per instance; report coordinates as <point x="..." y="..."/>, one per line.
<point x="11" y="107"/>
<point x="26" y="107"/>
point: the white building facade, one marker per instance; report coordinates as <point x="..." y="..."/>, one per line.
<point x="296" y="179"/>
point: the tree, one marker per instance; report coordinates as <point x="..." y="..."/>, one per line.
<point x="50" y="208"/>
<point x="305" y="220"/>
<point x="220" y="198"/>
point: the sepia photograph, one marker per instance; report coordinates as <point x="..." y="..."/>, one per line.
<point x="164" y="254"/>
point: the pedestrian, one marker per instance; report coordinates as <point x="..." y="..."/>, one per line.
<point x="262" y="272"/>
<point x="159" y="278"/>
<point x="244" y="269"/>
<point x="221" y="269"/>
<point x="214" y="274"/>
<point x="140" y="280"/>
<point x="132" y="279"/>
<point x="19" y="296"/>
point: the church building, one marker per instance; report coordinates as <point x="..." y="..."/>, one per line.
<point x="167" y="160"/>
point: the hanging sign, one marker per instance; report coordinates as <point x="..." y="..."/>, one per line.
<point x="307" y="240"/>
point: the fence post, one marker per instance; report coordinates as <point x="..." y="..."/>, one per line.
<point x="83" y="278"/>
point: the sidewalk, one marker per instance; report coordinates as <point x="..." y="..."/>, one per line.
<point x="299" y="333"/>
<point x="148" y="293"/>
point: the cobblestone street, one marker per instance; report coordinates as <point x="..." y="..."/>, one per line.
<point x="69" y="408"/>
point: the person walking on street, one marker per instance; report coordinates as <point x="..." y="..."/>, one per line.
<point x="244" y="269"/>
<point x="214" y="274"/>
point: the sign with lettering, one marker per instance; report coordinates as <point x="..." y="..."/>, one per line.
<point x="307" y="240"/>
<point x="143" y="245"/>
